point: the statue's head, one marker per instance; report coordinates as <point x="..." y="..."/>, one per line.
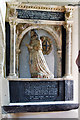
<point x="42" y="38"/>
<point x="34" y="33"/>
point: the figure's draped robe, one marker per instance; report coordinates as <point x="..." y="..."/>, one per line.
<point x="37" y="61"/>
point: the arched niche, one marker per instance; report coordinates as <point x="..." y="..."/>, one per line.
<point x="52" y="59"/>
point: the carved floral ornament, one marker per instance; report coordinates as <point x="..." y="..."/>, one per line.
<point x="22" y="26"/>
<point x="68" y="15"/>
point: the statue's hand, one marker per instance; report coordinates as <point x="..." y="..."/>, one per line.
<point x="36" y="48"/>
<point x="29" y="47"/>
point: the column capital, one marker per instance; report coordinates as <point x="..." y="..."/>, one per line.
<point x="69" y="11"/>
<point x="67" y="26"/>
<point x="68" y="15"/>
<point x="12" y="23"/>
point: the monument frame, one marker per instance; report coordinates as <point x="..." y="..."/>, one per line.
<point x="67" y="79"/>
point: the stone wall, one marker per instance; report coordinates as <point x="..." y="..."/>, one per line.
<point x="1" y="62"/>
<point x="79" y="49"/>
<point x="2" y="49"/>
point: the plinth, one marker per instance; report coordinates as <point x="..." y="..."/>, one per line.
<point x="40" y="95"/>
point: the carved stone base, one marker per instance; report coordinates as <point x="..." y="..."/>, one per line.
<point x="39" y="108"/>
<point x="12" y="75"/>
<point x="40" y="96"/>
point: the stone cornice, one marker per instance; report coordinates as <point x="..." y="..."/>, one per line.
<point x="55" y="8"/>
<point x="12" y="19"/>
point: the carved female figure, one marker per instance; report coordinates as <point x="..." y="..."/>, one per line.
<point x="38" y="65"/>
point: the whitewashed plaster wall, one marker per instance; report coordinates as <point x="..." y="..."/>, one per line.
<point x="2" y="36"/>
<point x="0" y="74"/>
<point x="2" y="60"/>
<point x="79" y="49"/>
<point x="68" y="114"/>
<point x="3" y="13"/>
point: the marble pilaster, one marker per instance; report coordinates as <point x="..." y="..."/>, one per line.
<point x="68" y="63"/>
<point x="12" y="48"/>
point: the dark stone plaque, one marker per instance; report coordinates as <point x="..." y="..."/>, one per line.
<point x="33" y="91"/>
<point x="40" y="91"/>
<point x="40" y="15"/>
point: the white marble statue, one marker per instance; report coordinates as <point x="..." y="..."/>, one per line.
<point x="37" y="62"/>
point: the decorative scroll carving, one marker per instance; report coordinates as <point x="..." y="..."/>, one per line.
<point x="13" y="13"/>
<point x="68" y="13"/>
<point x="56" y="28"/>
<point x="21" y="27"/>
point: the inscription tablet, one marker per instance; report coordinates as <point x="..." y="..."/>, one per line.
<point x="40" y="91"/>
<point x="42" y="15"/>
<point x="33" y="91"/>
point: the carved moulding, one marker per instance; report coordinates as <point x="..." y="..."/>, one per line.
<point x="28" y="6"/>
<point x="53" y="32"/>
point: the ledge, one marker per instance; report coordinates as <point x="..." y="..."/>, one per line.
<point x="11" y="78"/>
<point x="39" y="108"/>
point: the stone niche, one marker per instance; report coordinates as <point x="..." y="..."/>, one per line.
<point x="53" y="28"/>
<point x="52" y="49"/>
